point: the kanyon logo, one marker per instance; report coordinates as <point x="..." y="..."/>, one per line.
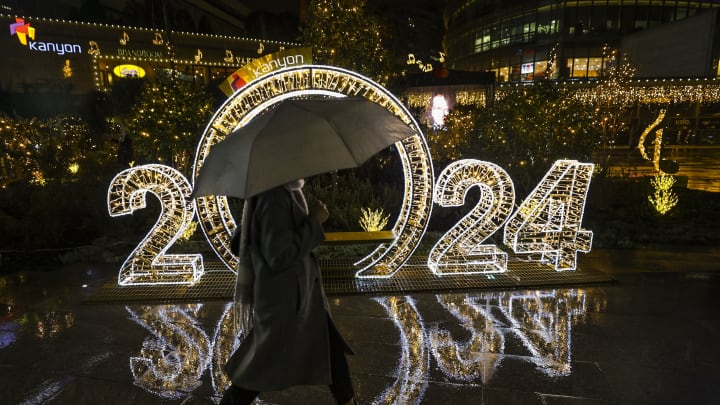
<point x="26" y="35"/>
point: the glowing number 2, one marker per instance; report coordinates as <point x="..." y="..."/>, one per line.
<point x="148" y="263"/>
<point x="461" y="250"/>
<point x="548" y="221"/>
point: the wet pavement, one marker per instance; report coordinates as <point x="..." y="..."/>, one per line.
<point x="650" y="337"/>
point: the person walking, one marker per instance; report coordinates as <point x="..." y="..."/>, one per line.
<point x="293" y="339"/>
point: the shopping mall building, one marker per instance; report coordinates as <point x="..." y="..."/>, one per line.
<point x="673" y="46"/>
<point x="526" y="40"/>
<point x="49" y="66"/>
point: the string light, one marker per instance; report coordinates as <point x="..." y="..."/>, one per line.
<point x="663" y="198"/>
<point x="537" y="324"/>
<point x="373" y="220"/>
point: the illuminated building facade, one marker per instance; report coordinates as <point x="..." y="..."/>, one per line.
<point x="45" y="58"/>
<point x="673" y="47"/>
<point x="527" y="40"/>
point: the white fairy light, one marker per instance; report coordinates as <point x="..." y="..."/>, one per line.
<point x="148" y="263"/>
<point x="460" y="250"/>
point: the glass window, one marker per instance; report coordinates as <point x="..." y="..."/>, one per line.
<point x="612" y="18"/>
<point x="668" y="14"/>
<point x="642" y="16"/>
<point x="594" y="67"/>
<point x="503" y="74"/>
<point x="541" y="70"/>
<point x="577" y="67"/>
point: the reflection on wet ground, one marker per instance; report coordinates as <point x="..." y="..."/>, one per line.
<point x="647" y="339"/>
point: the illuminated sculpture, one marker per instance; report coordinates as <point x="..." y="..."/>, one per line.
<point x="548" y="221"/>
<point x="217" y="221"/>
<point x="148" y="263"/>
<point x="657" y="143"/>
<point x="460" y="250"/>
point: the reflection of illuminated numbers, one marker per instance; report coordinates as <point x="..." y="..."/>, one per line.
<point x="543" y="322"/>
<point x="412" y="370"/>
<point x="224" y="343"/>
<point x="148" y="263"/>
<point x="536" y="325"/>
<point x="480" y="354"/>
<point x="548" y="221"/>
<point x="170" y="364"/>
<point x="461" y="250"/>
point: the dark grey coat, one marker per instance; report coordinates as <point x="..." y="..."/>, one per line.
<point x="289" y="342"/>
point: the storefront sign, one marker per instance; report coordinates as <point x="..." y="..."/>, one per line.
<point x="26" y="36"/>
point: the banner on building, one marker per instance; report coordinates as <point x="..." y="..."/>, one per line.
<point x="264" y="65"/>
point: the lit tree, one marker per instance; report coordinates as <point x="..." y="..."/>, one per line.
<point x="166" y="121"/>
<point x="663" y="198"/>
<point x="41" y="150"/>
<point x="342" y="33"/>
<point x="527" y="128"/>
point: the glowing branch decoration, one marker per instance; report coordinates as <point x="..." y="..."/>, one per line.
<point x="548" y="221"/>
<point x="148" y="263"/>
<point x="215" y="217"/>
<point x="461" y="250"/>
<point x="536" y="325"/>
<point x="663" y="199"/>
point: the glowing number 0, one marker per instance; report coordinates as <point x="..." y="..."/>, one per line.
<point x="461" y="250"/>
<point x="148" y="263"/>
<point x="548" y="221"/>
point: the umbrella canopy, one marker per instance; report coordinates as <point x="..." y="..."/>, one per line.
<point x="298" y="138"/>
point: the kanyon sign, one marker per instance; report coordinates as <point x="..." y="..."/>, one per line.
<point x="26" y="36"/>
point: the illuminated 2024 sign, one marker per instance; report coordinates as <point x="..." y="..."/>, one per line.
<point x="547" y="223"/>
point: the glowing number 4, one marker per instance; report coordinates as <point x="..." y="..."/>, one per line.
<point x="148" y="263"/>
<point x="548" y="221"/>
